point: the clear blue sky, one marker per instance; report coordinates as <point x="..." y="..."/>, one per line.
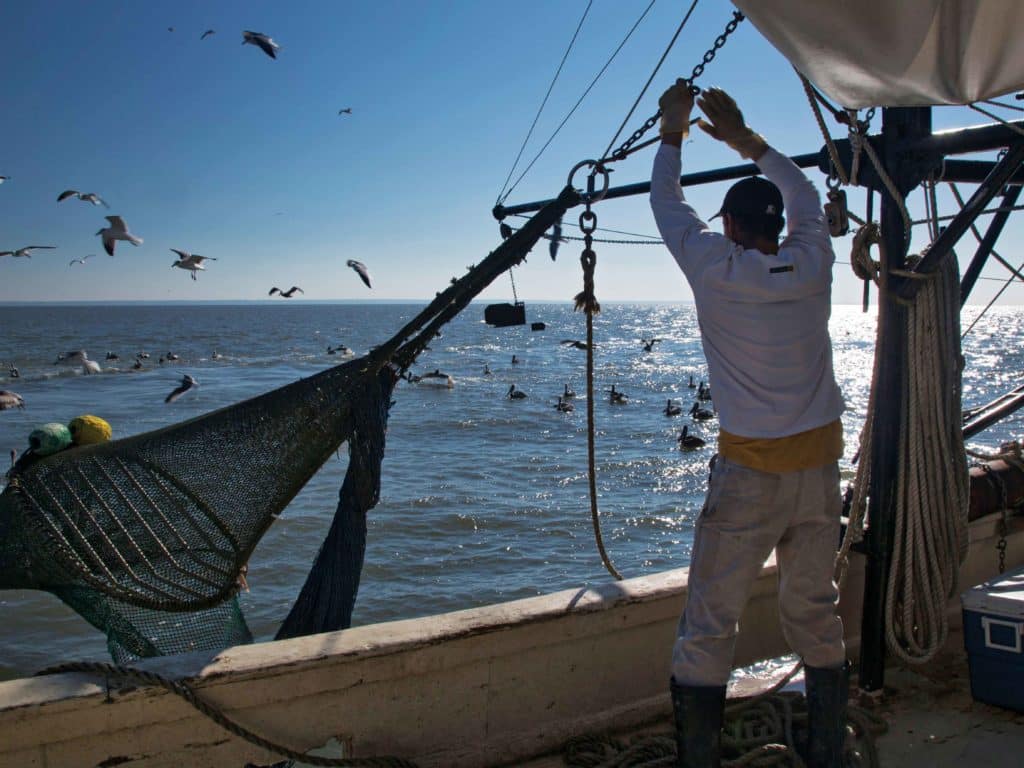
<point x="214" y="148"/>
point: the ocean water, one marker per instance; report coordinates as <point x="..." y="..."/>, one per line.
<point x="483" y="499"/>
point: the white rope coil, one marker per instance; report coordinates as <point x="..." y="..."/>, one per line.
<point x="932" y="490"/>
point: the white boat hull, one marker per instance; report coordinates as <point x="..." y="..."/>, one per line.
<point x="476" y="687"/>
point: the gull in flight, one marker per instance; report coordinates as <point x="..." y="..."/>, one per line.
<point x="285" y="294"/>
<point x="4" y="178"/>
<point x="346" y="111"/>
<point x="266" y="45"/>
<point x="78" y="357"/>
<point x="191" y="261"/>
<point x="361" y="270"/>
<point x="89" y="197"/>
<point x="117" y="230"/>
<point x="26" y="251"/>
<point x="81" y="260"/>
<point x="187" y="382"/>
<point x="207" y="33"/>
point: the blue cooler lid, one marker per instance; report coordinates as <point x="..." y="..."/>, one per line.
<point x="1003" y="595"/>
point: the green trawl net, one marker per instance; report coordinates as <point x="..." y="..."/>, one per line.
<point x="147" y="537"/>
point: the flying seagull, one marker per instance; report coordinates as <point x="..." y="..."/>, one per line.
<point x="574" y="343"/>
<point x="361" y="270"/>
<point x="187" y="382"/>
<point x="345" y="111"/>
<point x="78" y="357"/>
<point x="25" y="251"/>
<point x="117" y="230"/>
<point x="556" y="239"/>
<point x="207" y="33"/>
<point x="81" y="260"/>
<point x="191" y="261"/>
<point x="285" y="294"/>
<point x="266" y="45"/>
<point x="4" y="178"/>
<point x="89" y="197"/>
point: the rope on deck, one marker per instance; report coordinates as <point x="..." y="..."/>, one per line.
<point x="761" y="731"/>
<point x="186" y="692"/>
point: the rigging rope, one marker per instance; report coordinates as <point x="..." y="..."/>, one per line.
<point x="647" y="85"/>
<point x="581" y="98"/>
<point x="502" y="196"/>
<point x="586" y="301"/>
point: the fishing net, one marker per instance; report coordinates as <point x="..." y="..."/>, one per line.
<point x="148" y="537"/>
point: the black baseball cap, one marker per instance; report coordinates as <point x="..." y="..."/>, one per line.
<point x="753" y="196"/>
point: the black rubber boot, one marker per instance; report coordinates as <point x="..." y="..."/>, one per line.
<point x="827" y="691"/>
<point x="698" y="714"/>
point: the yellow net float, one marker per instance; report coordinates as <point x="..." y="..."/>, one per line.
<point x="89" y="429"/>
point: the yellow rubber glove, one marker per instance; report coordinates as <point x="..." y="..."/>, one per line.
<point x="727" y="124"/>
<point x="676" y="104"/>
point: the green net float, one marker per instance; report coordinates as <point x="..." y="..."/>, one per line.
<point x="49" y="438"/>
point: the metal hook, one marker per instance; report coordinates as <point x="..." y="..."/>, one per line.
<point x="590" y="196"/>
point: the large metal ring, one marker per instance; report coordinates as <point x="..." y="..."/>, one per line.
<point x="590" y="196"/>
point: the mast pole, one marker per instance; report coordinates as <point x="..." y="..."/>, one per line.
<point x="899" y="125"/>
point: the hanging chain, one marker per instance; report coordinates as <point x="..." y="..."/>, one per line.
<point x="515" y="296"/>
<point x="627" y="147"/>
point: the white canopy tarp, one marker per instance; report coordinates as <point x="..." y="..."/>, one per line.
<point x="898" y="53"/>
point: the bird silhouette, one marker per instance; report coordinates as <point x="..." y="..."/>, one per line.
<point x="345" y="111"/>
<point x="689" y="442"/>
<point x="361" y="270"/>
<point x="81" y="260"/>
<point x="26" y="251"/>
<point x="515" y="394"/>
<point x="574" y="343"/>
<point x="671" y="409"/>
<point x="702" y="414"/>
<point x="207" y="33"/>
<point x="89" y="197"/>
<point x="187" y="383"/>
<point x="264" y="42"/>
<point x="556" y="239"/>
<point x="285" y="294"/>
<point x="649" y="344"/>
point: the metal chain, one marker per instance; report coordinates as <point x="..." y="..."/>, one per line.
<point x="515" y="296"/>
<point x="626" y="147"/>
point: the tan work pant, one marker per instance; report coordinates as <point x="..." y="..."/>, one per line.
<point x="746" y="514"/>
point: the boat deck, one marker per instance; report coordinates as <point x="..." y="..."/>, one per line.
<point x="933" y="722"/>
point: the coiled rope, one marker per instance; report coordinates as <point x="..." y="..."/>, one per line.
<point x="764" y="731"/>
<point x="932" y="493"/>
<point x="182" y="689"/>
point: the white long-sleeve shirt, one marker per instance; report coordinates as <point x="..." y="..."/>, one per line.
<point x="763" y="317"/>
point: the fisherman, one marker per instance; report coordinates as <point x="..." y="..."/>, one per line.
<point x="763" y="308"/>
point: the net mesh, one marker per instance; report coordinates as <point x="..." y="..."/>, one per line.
<point x="148" y="537"/>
